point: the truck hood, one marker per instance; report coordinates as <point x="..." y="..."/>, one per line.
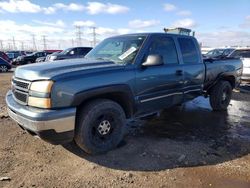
<point x="54" y="69"/>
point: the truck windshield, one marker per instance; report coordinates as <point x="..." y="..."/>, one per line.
<point x="120" y="50"/>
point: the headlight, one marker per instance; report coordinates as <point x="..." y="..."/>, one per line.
<point x="42" y="86"/>
<point x="39" y="102"/>
<point x="40" y="93"/>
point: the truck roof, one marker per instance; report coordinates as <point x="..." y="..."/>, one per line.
<point x="151" y="34"/>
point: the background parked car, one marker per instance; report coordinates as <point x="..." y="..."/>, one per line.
<point x="70" y="53"/>
<point x="53" y="54"/>
<point x="31" y="58"/>
<point x="4" y="56"/>
<point x="14" y="54"/>
<point x="219" y="52"/>
<point x="49" y="52"/>
<point x="4" y="65"/>
<point x="244" y="55"/>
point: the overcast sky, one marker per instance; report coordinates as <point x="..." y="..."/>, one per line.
<point x="217" y="23"/>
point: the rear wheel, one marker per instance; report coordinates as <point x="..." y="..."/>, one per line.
<point x="3" y="68"/>
<point x="100" y="126"/>
<point x="220" y="96"/>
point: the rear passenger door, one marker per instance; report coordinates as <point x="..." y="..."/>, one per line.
<point x="193" y="67"/>
<point x="160" y="86"/>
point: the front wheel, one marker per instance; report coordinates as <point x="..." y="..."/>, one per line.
<point x="100" y="126"/>
<point x="220" y="96"/>
<point x="3" y="68"/>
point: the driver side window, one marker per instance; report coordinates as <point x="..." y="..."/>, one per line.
<point x="165" y="47"/>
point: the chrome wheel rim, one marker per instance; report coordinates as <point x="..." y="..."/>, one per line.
<point x="3" y="68"/>
<point x="104" y="127"/>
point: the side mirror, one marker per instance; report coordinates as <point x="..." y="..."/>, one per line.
<point x="153" y="60"/>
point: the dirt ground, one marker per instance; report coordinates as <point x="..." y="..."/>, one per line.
<point x="187" y="146"/>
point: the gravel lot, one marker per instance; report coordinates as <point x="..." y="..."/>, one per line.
<point x="187" y="146"/>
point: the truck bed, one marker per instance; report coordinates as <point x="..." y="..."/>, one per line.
<point x="217" y="67"/>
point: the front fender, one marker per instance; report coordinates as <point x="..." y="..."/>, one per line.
<point x="105" y="90"/>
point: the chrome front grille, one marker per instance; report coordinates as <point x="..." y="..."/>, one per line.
<point x="20" y="89"/>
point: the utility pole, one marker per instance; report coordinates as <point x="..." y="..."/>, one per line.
<point x="94" y="36"/>
<point x="22" y="45"/>
<point x="14" y="43"/>
<point x="1" y="44"/>
<point x="44" y="42"/>
<point x="34" y="42"/>
<point x="72" y="43"/>
<point x="9" y="45"/>
<point x="59" y="44"/>
<point x="78" y="36"/>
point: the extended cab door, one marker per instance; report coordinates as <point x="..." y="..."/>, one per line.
<point x="160" y="86"/>
<point x="193" y="67"/>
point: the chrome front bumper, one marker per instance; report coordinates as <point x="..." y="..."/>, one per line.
<point x="54" y="126"/>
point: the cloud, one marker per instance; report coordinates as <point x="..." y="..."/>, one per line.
<point x="15" y="6"/>
<point x="69" y="7"/>
<point x="140" y="24"/>
<point x="10" y="28"/>
<point x="26" y="6"/>
<point x="224" y="38"/>
<point x="97" y="8"/>
<point x="86" y="23"/>
<point x="65" y="7"/>
<point x="184" y="13"/>
<point x="172" y="8"/>
<point x="58" y="23"/>
<point x="49" y="10"/>
<point x="105" y="31"/>
<point x="187" y="23"/>
<point x="246" y="23"/>
<point x="169" y="7"/>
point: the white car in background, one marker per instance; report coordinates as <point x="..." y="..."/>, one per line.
<point x="244" y="54"/>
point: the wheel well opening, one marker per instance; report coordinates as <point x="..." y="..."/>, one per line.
<point x="122" y="99"/>
<point x="230" y="79"/>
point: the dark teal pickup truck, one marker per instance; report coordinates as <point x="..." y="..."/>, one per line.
<point x="88" y="100"/>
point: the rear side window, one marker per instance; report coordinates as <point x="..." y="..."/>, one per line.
<point x="188" y="51"/>
<point x="165" y="47"/>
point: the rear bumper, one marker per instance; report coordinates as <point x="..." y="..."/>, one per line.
<point x="53" y="126"/>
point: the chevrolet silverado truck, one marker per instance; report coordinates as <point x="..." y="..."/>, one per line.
<point x="129" y="76"/>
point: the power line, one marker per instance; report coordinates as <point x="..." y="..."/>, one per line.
<point x="9" y="45"/>
<point x="94" y="36"/>
<point x="22" y="45"/>
<point x="44" y="42"/>
<point x="1" y="44"/>
<point x="78" y="36"/>
<point x="34" y="42"/>
<point x="14" y="43"/>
